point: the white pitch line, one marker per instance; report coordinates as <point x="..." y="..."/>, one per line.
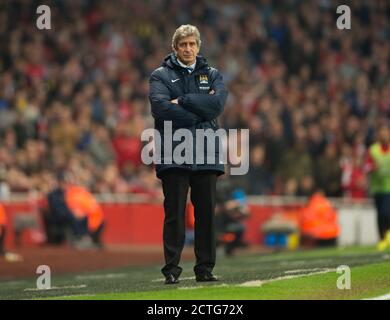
<point x="303" y="262"/>
<point x="101" y="276"/>
<point x="163" y="279"/>
<point x="384" y="297"/>
<point x="304" y="270"/>
<point x="57" y="288"/>
<point x="259" y="283"/>
<point x="198" y="287"/>
<point x="75" y="295"/>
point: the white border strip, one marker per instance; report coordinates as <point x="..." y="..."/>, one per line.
<point x="57" y="288"/>
<point x="259" y="283"/>
<point x="384" y="297"/>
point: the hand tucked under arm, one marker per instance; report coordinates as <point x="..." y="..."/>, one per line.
<point x="165" y="110"/>
<point x="208" y="106"/>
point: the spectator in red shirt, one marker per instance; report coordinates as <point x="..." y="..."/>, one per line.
<point x="127" y="145"/>
<point x="354" y="180"/>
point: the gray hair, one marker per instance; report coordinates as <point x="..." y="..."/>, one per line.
<point x="185" y="30"/>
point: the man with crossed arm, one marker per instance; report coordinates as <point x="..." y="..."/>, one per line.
<point x="190" y="94"/>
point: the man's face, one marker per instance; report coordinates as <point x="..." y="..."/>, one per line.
<point x="187" y="49"/>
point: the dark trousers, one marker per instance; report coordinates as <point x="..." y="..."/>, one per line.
<point x="176" y="183"/>
<point x="2" y="240"/>
<point x="382" y="204"/>
<point x="96" y="235"/>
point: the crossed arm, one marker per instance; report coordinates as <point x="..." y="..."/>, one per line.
<point x="165" y="110"/>
<point x="208" y="106"/>
<point x="189" y="109"/>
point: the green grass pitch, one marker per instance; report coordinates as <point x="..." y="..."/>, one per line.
<point x="285" y="275"/>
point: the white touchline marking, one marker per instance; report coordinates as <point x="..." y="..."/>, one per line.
<point x="302" y="262"/>
<point x="74" y="295"/>
<point x="384" y="297"/>
<point x="304" y="270"/>
<point x="101" y="276"/>
<point x="197" y="287"/>
<point x="185" y="278"/>
<point x="57" y="288"/>
<point x="259" y="283"/>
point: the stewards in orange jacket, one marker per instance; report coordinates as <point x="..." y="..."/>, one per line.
<point x="8" y="256"/>
<point x="84" y="207"/>
<point x="2" y="216"/>
<point x="3" y="222"/>
<point x="319" y="221"/>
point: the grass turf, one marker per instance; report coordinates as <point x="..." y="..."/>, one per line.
<point x="368" y="281"/>
<point x="370" y="276"/>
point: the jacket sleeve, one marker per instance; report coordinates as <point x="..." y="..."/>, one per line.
<point x="163" y="109"/>
<point x="208" y="106"/>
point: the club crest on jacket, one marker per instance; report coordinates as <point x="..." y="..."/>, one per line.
<point x="203" y="79"/>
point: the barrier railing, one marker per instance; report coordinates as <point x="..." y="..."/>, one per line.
<point x="138" y="219"/>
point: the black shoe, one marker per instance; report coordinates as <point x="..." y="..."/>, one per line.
<point x="242" y="244"/>
<point x="229" y="251"/>
<point x="205" y="277"/>
<point x="171" y="279"/>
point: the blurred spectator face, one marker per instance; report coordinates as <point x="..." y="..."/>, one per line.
<point x="148" y="180"/>
<point x="307" y="183"/>
<point x="58" y="157"/>
<point x="48" y="182"/>
<point x="21" y="158"/>
<point x="10" y="139"/>
<point x="291" y="187"/>
<point x="384" y="134"/>
<point x="300" y="137"/>
<point x="66" y="89"/>
<point x="346" y="150"/>
<point x="352" y="126"/>
<point x="5" y="156"/>
<point x="111" y="174"/>
<point x="276" y="128"/>
<point x="32" y="153"/>
<point x="84" y="122"/>
<point x="310" y="111"/>
<point x="101" y="133"/>
<point x="65" y="115"/>
<point x="257" y="155"/>
<point x="331" y="151"/>
<point x="187" y="49"/>
<point x="314" y="132"/>
<point x="255" y="125"/>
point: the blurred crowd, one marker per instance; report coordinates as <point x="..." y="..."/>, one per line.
<point x="73" y="99"/>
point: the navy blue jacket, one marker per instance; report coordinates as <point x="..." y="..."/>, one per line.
<point x="196" y="108"/>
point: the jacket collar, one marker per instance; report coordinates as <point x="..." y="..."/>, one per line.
<point x="171" y="62"/>
<point x="192" y="66"/>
